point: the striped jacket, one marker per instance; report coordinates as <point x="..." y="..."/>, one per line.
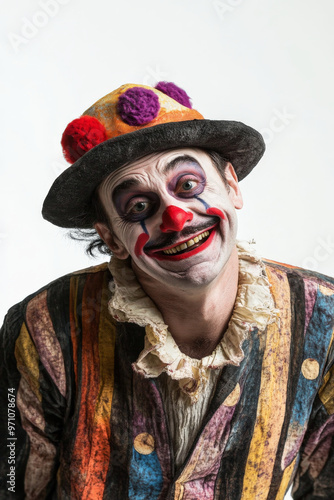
<point x="78" y="423"/>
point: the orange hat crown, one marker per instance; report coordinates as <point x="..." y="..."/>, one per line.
<point x="129" y="108"/>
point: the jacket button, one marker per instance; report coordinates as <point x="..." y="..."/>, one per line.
<point x="310" y="368"/>
<point x="144" y="443"/>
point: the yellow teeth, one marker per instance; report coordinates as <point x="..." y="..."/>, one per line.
<point x="186" y="244"/>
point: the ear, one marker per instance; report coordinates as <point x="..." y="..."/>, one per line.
<point x="111" y="240"/>
<point x="232" y="180"/>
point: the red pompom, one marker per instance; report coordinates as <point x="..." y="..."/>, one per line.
<point x="81" y="135"/>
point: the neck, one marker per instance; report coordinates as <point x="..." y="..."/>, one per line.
<point x="197" y="319"/>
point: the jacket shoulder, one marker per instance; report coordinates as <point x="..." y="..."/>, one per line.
<point x="294" y="272"/>
<point x="59" y="289"/>
<point x="83" y="274"/>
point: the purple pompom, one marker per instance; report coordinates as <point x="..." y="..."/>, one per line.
<point x="175" y="92"/>
<point x="138" y="106"/>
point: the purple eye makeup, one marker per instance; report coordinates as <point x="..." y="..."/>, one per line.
<point x="184" y="179"/>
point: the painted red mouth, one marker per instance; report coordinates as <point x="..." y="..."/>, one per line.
<point x="186" y="248"/>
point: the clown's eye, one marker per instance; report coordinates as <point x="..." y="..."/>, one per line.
<point x="188" y="186"/>
<point x="139" y="207"/>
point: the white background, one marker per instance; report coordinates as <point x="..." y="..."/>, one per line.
<point x="246" y="60"/>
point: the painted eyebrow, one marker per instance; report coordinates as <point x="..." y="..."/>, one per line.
<point x="123" y="186"/>
<point x="129" y="183"/>
<point x="176" y="161"/>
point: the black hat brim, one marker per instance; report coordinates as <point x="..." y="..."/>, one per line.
<point x="68" y="203"/>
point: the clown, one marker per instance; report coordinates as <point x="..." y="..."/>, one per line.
<point x="187" y="367"/>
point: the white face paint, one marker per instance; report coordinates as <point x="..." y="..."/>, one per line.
<point x="173" y="214"/>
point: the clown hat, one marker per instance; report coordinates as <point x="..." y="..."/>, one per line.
<point x="132" y="122"/>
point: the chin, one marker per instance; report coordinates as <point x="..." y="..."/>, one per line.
<point x="195" y="277"/>
<point x="201" y="275"/>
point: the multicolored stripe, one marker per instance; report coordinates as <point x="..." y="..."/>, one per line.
<point x="89" y="427"/>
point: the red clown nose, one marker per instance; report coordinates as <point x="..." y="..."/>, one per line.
<point x="174" y="219"/>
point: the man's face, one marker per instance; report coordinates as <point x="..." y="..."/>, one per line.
<point x="174" y="215"/>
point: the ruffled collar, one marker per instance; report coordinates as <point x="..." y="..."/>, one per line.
<point x="254" y="307"/>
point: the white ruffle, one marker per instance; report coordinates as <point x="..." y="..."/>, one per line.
<point x="254" y="307"/>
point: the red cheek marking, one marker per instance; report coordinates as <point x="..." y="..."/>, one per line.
<point x="215" y="211"/>
<point x="141" y="241"/>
